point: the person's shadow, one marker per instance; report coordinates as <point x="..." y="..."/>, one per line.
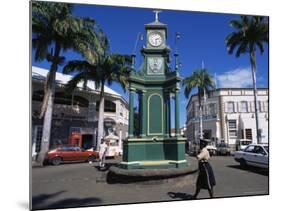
<point x="179" y="195"/>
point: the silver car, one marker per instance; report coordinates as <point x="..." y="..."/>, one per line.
<point x="253" y="155"/>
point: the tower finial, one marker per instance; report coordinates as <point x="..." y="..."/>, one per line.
<point x="156" y="11"/>
<point x="203" y="65"/>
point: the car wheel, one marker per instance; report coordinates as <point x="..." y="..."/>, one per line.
<point x="56" y="161"/>
<point x="243" y="163"/>
<point x="91" y="158"/>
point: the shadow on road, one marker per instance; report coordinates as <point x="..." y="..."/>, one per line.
<point x="36" y="200"/>
<point x="255" y="170"/>
<point x="39" y="202"/>
<point x="179" y="195"/>
<point x="74" y="202"/>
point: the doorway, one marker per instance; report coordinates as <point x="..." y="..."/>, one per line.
<point x="87" y="141"/>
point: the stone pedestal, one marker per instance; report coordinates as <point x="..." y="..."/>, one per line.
<point x="154" y="153"/>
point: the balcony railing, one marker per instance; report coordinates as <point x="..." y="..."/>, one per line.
<point x="66" y="111"/>
<point x="77" y="113"/>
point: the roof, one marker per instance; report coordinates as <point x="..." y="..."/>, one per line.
<point x="225" y="89"/>
<point x="41" y="73"/>
<point x="156" y="24"/>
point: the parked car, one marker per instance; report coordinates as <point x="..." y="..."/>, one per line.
<point x="70" y="154"/>
<point x="242" y="144"/>
<point x="253" y="155"/>
<point x="223" y="149"/>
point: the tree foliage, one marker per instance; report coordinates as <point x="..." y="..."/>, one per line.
<point x="251" y="33"/>
<point x="200" y="79"/>
<point x="56" y="29"/>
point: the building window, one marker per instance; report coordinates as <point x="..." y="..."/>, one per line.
<point x="230" y="107"/>
<point x="232" y="133"/>
<point x="207" y="134"/>
<point x="260" y="108"/>
<point x="121" y="110"/>
<point x="193" y="111"/>
<point x="249" y="134"/>
<point x="266" y="106"/>
<point x="109" y="106"/>
<point x="232" y="124"/>
<point x="243" y="106"/>
<point x="232" y="127"/>
<point x="212" y="107"/>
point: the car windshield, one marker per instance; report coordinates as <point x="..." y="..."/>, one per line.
<point x="245" y="142"/>
<point x="222" y="145"/>
<point x="266" y="148"/>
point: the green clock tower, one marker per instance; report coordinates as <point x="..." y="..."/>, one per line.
<point x="157" y="86"/>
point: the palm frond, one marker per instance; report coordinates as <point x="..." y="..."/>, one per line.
<point x="72" y="84"/>
<point x="77" y="66"/>
<point x="252" y="31"/>
<point x="200" y="79"/>
<point x="236" y="24"/>
<point x="260" y="45"/>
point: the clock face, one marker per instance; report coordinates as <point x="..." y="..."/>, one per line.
<point x="155" y="65"/>
<point x="155" y="39"/>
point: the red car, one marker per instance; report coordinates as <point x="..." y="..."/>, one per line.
<point x="70" y="153"/>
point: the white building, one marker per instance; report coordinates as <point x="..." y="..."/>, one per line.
<point x="229" y="114"/>
<point x="77" y="113"/>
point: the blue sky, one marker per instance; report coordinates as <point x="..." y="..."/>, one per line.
<point x="202" y="38"/>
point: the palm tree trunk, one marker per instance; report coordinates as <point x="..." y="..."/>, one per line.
<point x="253" y="65"/>
<point x="200" y="115"/>
<point x="45" y="141"/>
<point x="101" y="117"/>
<point x="201" y="121"/>
<point x="50" y="92"/>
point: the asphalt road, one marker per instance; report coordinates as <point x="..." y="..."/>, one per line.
<point x="82" y="184"/>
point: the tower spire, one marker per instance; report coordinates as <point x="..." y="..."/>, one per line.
<point x="156" y="11"/>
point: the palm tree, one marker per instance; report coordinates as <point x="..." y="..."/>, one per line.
<point x="107" y="68"/>
<point x="251" y="33"/>
<point x="204" y="83"/>
<point x="55" y="29"/>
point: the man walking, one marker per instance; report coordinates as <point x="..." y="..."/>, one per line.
<point x="102" y="153"/>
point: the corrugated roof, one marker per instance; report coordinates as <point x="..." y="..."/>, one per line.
<point x="41" y="73"/>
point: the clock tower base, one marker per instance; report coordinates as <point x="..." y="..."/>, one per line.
<point x="145" y="153"/>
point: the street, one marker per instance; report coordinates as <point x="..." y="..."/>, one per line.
<point x="82" y="184"/>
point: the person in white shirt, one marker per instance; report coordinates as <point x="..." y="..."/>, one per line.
<point x="102" y="153"/>
<point x="206" y="178"/>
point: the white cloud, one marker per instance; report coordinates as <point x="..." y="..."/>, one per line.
<point x="237" y="78"/>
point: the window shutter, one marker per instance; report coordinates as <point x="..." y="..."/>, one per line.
<point x="252" y="106"/>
